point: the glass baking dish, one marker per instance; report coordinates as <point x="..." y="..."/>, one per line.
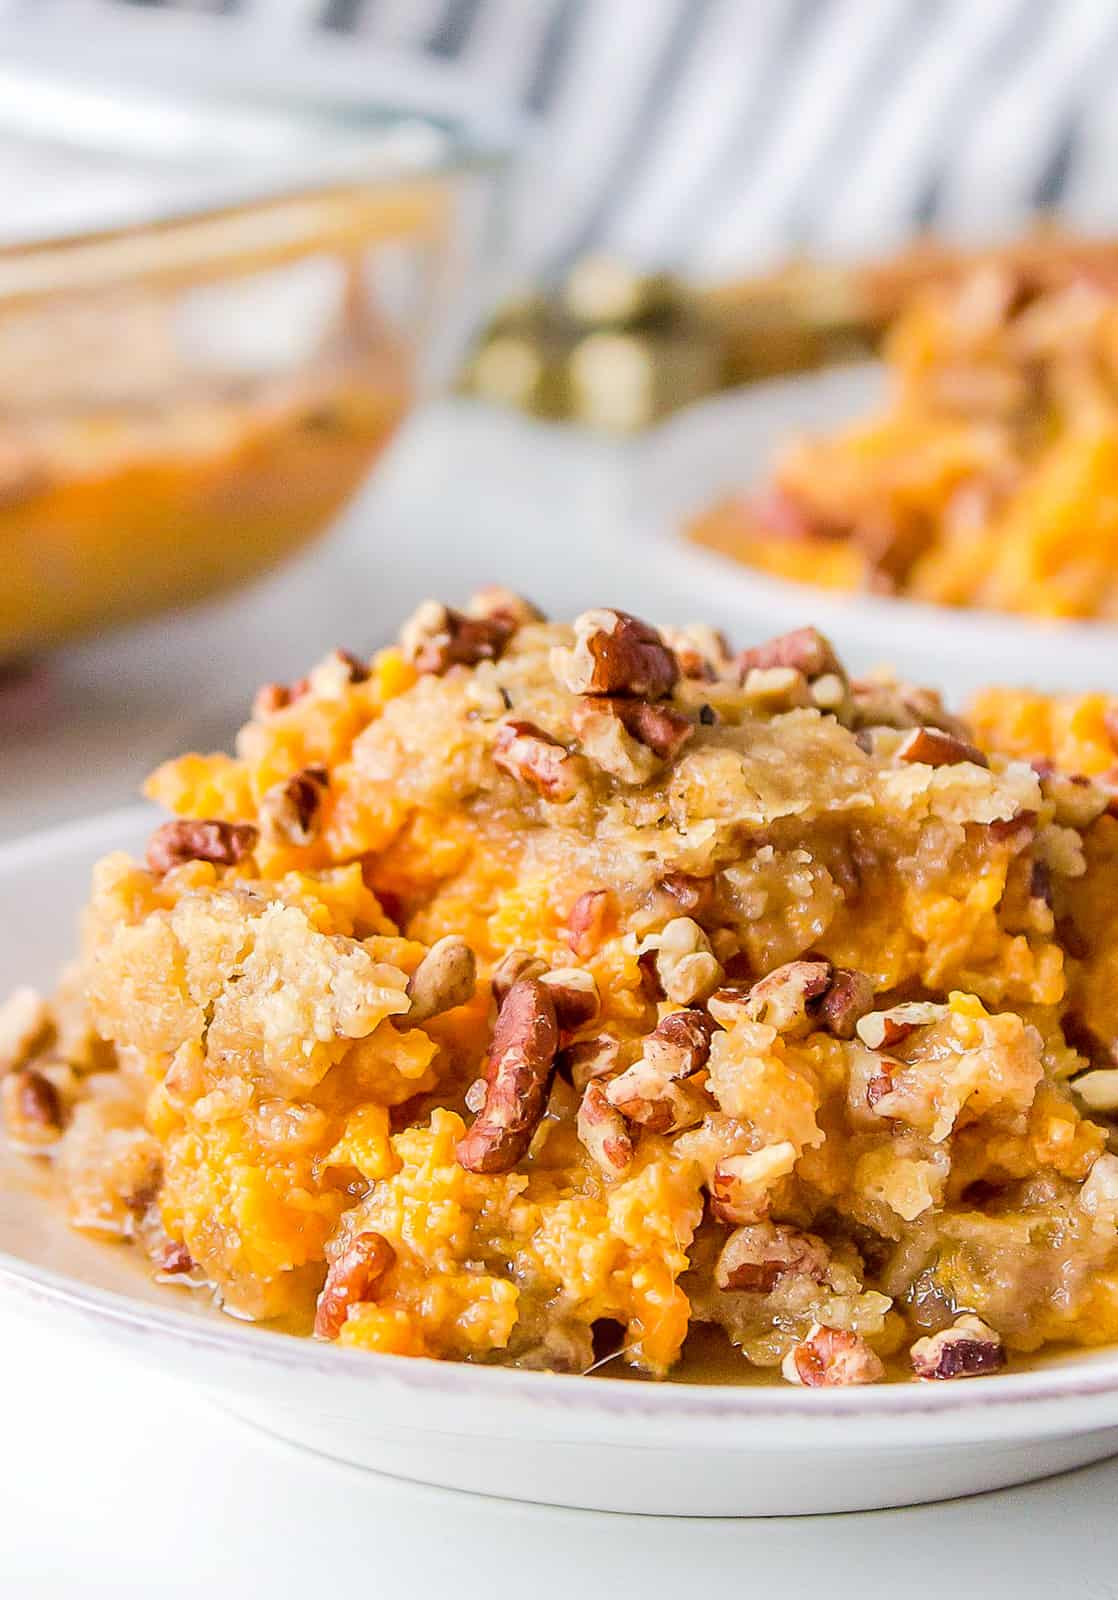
<point x="213" y="316"/>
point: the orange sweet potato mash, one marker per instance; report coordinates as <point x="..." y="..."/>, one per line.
<point x="988" y="479"/>
<point x="534" y="993"/>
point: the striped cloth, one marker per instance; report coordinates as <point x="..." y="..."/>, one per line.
<point x="717" y="135"/>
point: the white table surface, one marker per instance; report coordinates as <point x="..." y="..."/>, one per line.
<point x="118" y="1481"/>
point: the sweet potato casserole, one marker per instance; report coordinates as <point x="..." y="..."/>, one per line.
<point x="989" y="477"/>
<point x="534" y="993"/>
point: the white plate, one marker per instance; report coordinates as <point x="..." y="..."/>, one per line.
<point x="721" y="446"/>
<point x="601" y="1443"/>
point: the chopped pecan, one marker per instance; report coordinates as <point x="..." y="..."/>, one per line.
<point x="680" y="1043"/>
<point x="830" y="692"/>
<point x="173" y="1259"/>
<point x="496" y="604"/>
<point x="270" y="698"/>
<point x="881" y="1030"/>
<point x="728" y="1005"/>
<point x="774" y="689"/>
<point x="782" y="999"/>
<point x="755" y="1257"/>
<point x="26" y="1022"/>
<point x="845" y="1001"/>
<point x="1076" y="801"/>
<point x="437" y="638"/>
<point x="657" y="727"/>
<point x="831" y="1358"/>
<point x="686" y="966"/>
<point x="532" y="756"/>
<point x="32" y="1109"/>
<point x="1099" y="1195"/>
<point x="1018" y="830"/>
<point x="336" y="673"/>
<point x="650" y="1091"/>
<point x="574" y="994"/>
<point x="933" y="748"/>
<point x="514" y="964"/>
<point x="580" y="1063"/>
<point x="602" y="1130"/>
<point x="588" y="921"/>
<point x="645" y="1096"/>
<point x="703" y="654"/>
<point x="518" y="1073"/>
<point x="879" y="1087"/>
<point x="1098" y="1090"/>
<point x="966" y="1350"/>
<point x="606" y="741"/>
<point x="741" y="1186"/>
<point x="353" y="1277"/>
<point x="615" y="653"/>
<point x="805" y="649"/>
<point x="290" y="811"/>
<point x="445" y="978"/>
<point x="886" y="704"/>
<point x="695" y="897"/>
<point x="224" y="843"/>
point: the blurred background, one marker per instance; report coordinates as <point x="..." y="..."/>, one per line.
<point x="369" y="299"/>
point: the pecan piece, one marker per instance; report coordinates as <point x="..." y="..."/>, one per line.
<point x="804" y="649"/>
<point x="657" y="727"/>
<point x="774" y="689"/>
<point x="881" y="1030"/>
<point x="888" y="704"/>
<point x="606" y="741"/>
<point x="702" y="654"/>
<point x="740" y="1186"/>
<point x="532" y="756"/>
<point x="615" y="653"/>
<point x="580" y="1063"/>
<point x="844" y="1003"/>
<point x="437" y="638"/>
<point x="1098" y="1089"/>
<point x="574" y="994"/>
<point x="782" y="999"/>
<point x="270" y="698"/>
<point x="518" y="1073"/>
<point x="933" y="748"/>
<point x="333" y="675"/>
<point x="601" y="1128"/>
<point x="755" y="1257"/>
<point x="879" y="1087"/>
<point x="686" y="966"/>
<point x="290" y="811"/>
<point x="650" y="1091"/>
<point x="588" y="921"/>
<point x="514" y="964"/>
<point x="680" y="1043"/>
<point x="352" y="1278"/>
<point x="831" y="1358"/>
<point x="966" y="1350"/>
<point x="695" y="897"/>
<point x="1076" y="801"/>
<point x="445" y="978"/>
<point x="224" y="843"/>
<point x="493" y="603"/>
<point x="32" y="1109"/>
<point x="26" y="1022"/>
<point x="173" y="1259"/>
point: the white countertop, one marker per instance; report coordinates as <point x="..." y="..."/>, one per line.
<point x="120" y="1482"/>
